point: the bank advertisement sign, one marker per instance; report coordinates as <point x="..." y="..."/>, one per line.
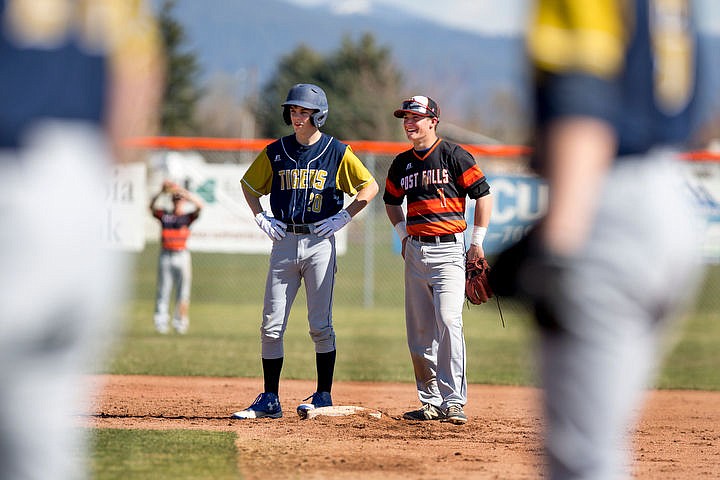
<point x="518" y="203"/>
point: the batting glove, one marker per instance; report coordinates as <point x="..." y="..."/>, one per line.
<point x="273" y="228"/>
<point x="327" y="228"/>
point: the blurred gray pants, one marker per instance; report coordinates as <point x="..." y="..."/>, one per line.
<point x="615" y="300"/>
<point x="59" y="292"/>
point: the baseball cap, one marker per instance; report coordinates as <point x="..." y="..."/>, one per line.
<point x="419" y="105"/>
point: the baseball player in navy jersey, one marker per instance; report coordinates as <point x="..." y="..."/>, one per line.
<point x="307" y="176"/>
<point x="174" y="261"/>
<point x="616" y="257"/>
<point x="77" y="79"/>
<point x="435" y="177"/>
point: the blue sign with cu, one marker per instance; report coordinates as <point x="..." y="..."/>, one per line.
<point x="519" y="201"/>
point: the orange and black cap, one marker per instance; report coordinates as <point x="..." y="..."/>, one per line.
<point x="419" y="105"/>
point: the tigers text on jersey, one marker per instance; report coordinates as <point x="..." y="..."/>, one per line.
<point x="435" y="183"/>
<point x="306" y="183"/>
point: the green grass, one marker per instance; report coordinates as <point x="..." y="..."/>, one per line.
<point x="693" y="359"/>
<point x="224" y="341"/>
<point x="225" y="321"/>
<point x="163" y="455"/>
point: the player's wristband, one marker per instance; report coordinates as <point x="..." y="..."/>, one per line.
<point x="401" y="230"/>
<point x="478" y="235"/>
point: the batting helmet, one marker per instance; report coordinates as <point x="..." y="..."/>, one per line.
<point x="307" y="95"/>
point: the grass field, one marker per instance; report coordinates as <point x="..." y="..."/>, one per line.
<point x="225" y="321"/>
<point x="224" y="341"/>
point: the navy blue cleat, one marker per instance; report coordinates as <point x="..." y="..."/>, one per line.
<point x="319" y="399"/>
<point x="266" y="405"/>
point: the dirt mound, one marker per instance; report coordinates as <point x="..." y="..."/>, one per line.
<point x="678" y="437"/>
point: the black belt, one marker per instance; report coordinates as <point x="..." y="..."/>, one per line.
<point x="450" y="237"/>
<point x="303" y="229"/>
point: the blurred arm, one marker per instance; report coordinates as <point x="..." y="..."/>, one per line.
<point x="580" y="150"/>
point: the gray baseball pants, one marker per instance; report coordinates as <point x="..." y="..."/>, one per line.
<point x="434" y="296"/>
<point x="293" y="259"/>
<point x="614" y="303"/>
<point x="174" y="268"/>
<point x="60" y="290"/>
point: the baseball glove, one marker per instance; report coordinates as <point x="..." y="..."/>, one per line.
<point x="477" y="286"/>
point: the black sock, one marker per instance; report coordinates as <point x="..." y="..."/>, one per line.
<point x="271" y="374"/>
<point x="325" y="363"/>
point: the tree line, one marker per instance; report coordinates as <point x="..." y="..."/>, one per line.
<point x="362" y="83"/>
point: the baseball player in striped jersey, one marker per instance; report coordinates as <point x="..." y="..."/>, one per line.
<point x="307" y="176"/>
<point x="174" y="261"/>
<point x="435" y="177"/>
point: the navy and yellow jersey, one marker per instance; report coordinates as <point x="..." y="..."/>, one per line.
<point x="306" y="183"/>
<point x="55" y="65"/>
<point x="436" y="183"/>
<point x="175" y="228"/>
<point x="631" y="63"/>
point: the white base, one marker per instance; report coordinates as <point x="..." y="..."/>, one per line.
<point x="342" y="411"/>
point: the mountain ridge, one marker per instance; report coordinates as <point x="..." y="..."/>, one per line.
<point x="460" y="68"/>
<point x="466" y="73"/>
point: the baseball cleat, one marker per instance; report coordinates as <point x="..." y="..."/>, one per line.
<point x="266" y="405"/>
<point x="319" y="399"/>
<point x="181" y="326"/>
<point x="455" y="414"/>
<point x="162" y="329"/>
<point x="426" y="412"/>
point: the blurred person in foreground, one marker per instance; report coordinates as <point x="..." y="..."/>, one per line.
<point x="77" y="78"/>
<point x="616" y="258"/>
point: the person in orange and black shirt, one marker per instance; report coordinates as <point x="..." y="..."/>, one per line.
<point x="174" y="263"/>
<point x="435" y="177"/>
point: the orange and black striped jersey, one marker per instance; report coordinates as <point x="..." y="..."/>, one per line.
<point x="435" y="183"/>
<point x="175" y="228"/>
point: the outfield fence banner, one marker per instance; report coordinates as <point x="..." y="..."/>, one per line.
<point x="518" y="203"/>
<point x="704" y="183"/>
<point x="226" y="224"/>
<point x="125" y="207"/>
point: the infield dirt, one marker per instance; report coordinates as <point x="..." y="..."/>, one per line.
<point x="678" y="436"/>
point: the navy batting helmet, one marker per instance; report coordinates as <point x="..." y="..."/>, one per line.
<point x="307" y="95"/>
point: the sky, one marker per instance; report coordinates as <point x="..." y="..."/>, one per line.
<point x="483" y="16"/>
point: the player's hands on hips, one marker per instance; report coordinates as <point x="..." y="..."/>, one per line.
<point x="273" y="228"/>
<point x="327" y="228"/>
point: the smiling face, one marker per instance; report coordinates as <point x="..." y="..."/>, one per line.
<point x="300" y="119"/>
<point x="420" y="130"/>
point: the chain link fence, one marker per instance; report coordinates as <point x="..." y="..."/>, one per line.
<point x="370" y="272"/>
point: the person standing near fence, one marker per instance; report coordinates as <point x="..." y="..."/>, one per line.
<point x="174" y="261"/>
<point x="307" y="175"/>
<point x="435" y="176"/>
<point x="616" y="258"/>
<point x="77" y="78"/>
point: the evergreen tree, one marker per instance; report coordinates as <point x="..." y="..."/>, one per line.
<point x="181" y="93"/>
<point x="361" y="82"/>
